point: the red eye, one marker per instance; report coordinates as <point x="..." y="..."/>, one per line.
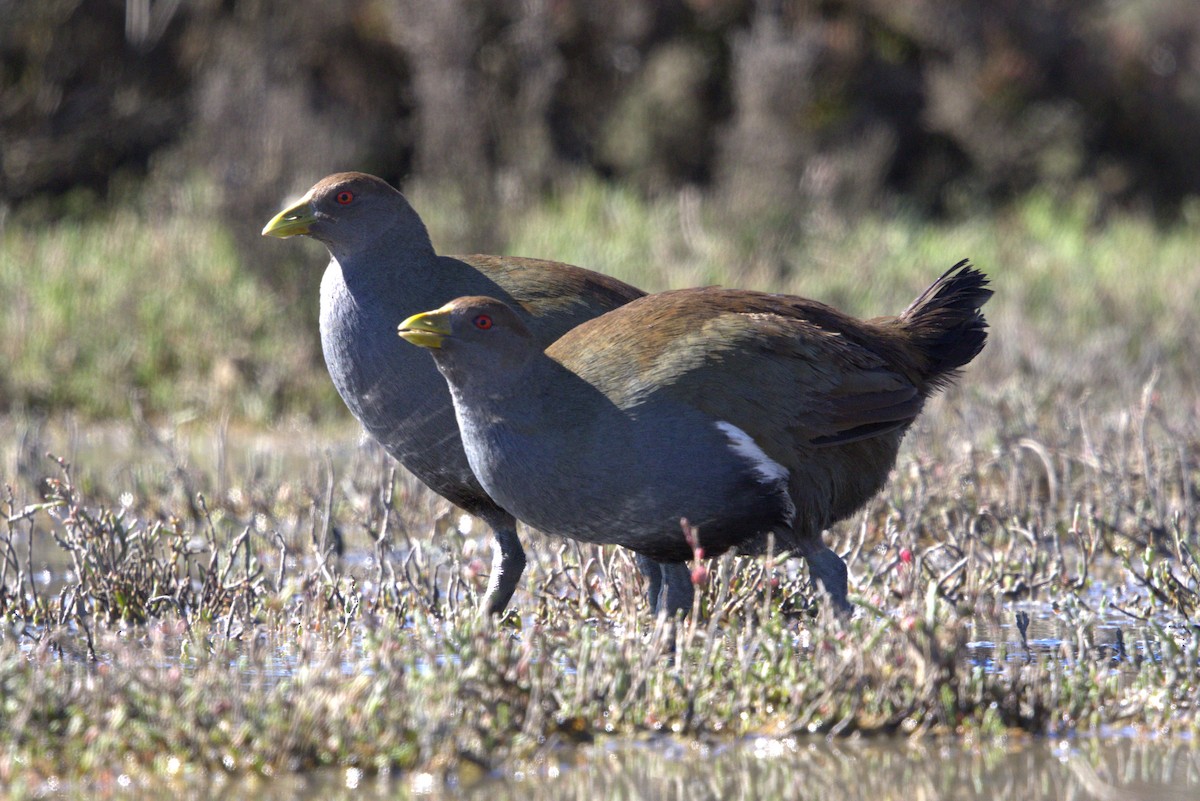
<point x="483" y="322"/>
<point x="344" y="197"/>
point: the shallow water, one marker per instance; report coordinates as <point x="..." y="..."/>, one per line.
<point x="1121" y="767"/>
<point x="1051" y="634"/>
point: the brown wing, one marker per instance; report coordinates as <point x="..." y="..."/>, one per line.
<point x="554" y="294"/>
<point x="789" y="372"/>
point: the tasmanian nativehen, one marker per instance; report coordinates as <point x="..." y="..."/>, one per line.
<point x="383" y="267"/>
<point x="746" y="413"/>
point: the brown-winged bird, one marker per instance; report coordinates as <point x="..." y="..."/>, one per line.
<point x="746" y="413"/>
<point x="383" y="268"/>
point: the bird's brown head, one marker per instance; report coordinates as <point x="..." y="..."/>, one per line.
<point x="472" y="336"/>
<point x="347" y="211"/>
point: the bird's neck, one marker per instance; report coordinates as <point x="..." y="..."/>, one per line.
<point x="514" y="399"/>
<point x="500" y="428"/>
<point x="384" y="270"/>
<point x="403" y="245"/>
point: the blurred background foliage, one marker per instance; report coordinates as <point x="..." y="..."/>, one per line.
<point x="941" y="102"/>
<point x="733" y="141"/>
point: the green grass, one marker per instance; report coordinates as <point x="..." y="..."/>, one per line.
<point x="104" y="312"/>
<point x="115" y="305"/>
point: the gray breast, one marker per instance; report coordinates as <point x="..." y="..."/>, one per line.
<point x="392" y="388"/>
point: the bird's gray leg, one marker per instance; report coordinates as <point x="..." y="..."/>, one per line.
<point x="677" y="588"/>
<point x="828" y="567"/>
<point x="670" y="588"/>
<point x="508" y="562"/>
<point x="654" y="574"/>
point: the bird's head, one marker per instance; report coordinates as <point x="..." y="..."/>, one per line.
<point x="348" y="212"/>
<point x="473" y="340"/>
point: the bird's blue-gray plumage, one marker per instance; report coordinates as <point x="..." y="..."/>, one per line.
<point x="753" y="416"/>
<point x="383" y="268"/>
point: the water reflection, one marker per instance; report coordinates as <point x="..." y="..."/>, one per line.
<point x="1030" y="769"/>
<point x="1030" y="632"/>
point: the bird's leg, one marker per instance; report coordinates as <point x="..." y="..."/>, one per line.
<point x="653" y="572"/>
<point x="670" y="588"/>
<point x="829" y="568"/>
<point x="508" y="562"/>
<point x="677" y="588"/>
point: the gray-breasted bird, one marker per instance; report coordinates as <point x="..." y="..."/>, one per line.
<point x="383" y="267"/>
<point x="746" y="413"/>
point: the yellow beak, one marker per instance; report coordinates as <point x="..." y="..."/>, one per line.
<point x="292" y="221"/>
<point x="427" y="329"/>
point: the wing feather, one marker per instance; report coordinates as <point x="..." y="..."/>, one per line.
<point x="775" y="366"/>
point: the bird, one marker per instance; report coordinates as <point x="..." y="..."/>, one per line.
<point x="383" y="267"/>
<point x="750" y="415"/>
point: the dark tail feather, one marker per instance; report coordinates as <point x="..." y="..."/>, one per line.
<point x="945" y="323"/>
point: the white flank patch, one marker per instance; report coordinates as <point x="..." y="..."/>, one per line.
<point x="767" y="469"/>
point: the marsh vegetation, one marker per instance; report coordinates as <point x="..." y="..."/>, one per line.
<point x="214" y="573"/>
